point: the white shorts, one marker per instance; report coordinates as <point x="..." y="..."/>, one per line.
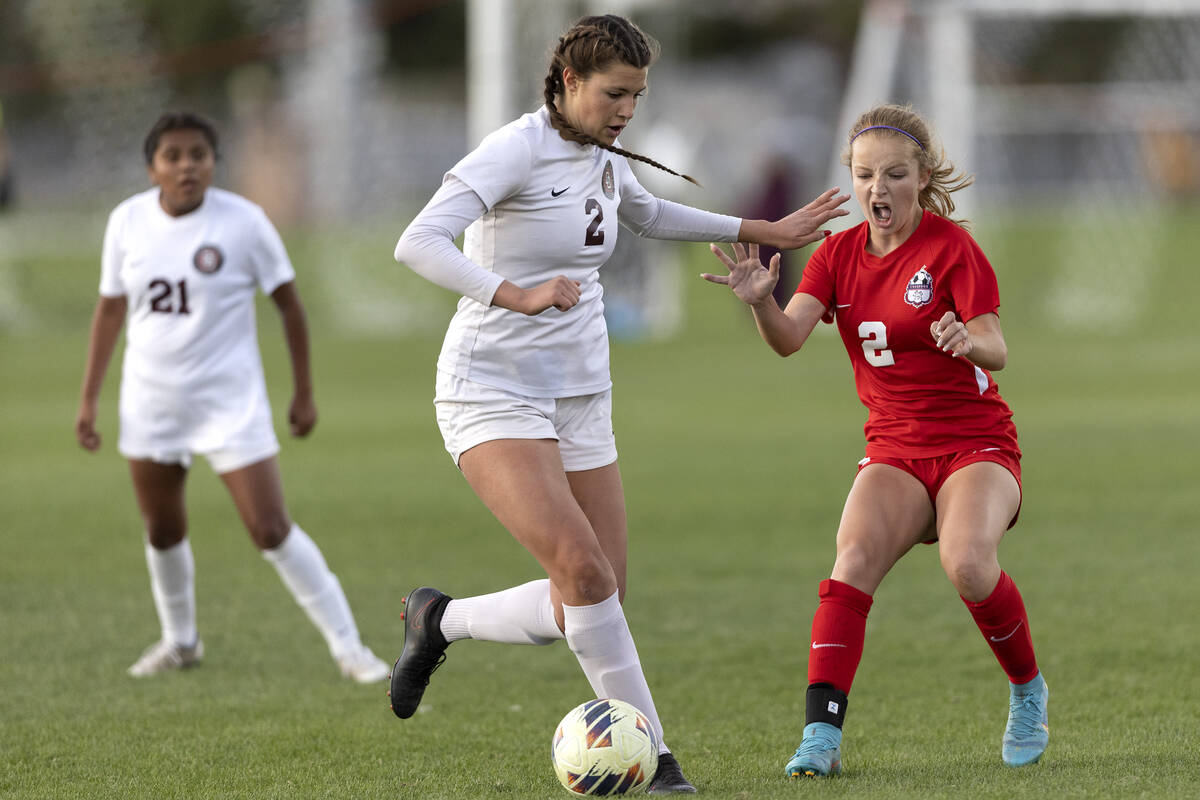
<point x="169" y="424"/>
<point x="222" y="461"/>
<point x="470" y="414"/>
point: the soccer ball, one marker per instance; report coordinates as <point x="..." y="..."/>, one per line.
<point x="604" y="747"/>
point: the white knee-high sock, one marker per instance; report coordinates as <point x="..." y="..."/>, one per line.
<point x="599" y="637"/>
<point x="520" y="615"/>
<point x="316" y="589"/>
<point x="173" y="584"/>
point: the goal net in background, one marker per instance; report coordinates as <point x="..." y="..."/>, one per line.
<point x="1080" y="118"/>
<point x="339" y="149"/>
<point x="1084" y="114"/>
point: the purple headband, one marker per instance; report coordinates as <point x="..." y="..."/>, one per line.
<point x="890" y="128"/>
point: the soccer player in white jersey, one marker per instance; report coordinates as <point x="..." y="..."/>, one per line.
<point x="182" y="262"/>
<point x="523" y="389"/>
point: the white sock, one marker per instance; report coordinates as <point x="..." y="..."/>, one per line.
<point x="173" y="584"/>
<point x="306" y="575"/>
<point x="520" y="615"/>
<point x="599" y="637"/>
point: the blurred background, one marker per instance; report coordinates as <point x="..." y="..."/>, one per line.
<point x="340" y="117"/>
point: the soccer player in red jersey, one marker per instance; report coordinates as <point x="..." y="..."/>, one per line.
<point x="915" y="300"/>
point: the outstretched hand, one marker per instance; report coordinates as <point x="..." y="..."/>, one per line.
<point x="804" y="225"/>
<point x="747" y="278"/>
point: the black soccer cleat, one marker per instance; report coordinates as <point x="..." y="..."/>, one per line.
<point x="668" y="779"/>
<point x="424" y="649"/>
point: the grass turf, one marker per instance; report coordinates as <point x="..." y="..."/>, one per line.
<point x="735" y="463"/>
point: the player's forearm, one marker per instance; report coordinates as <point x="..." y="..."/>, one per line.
<point x="430" y="252"/>
<point x="107" y="320"/>
<point x="755" y="231"/>
<point x="988" y="351"/>
<point x="777" y="329"/>
<point x="665" y="219"/>
<point x="295" y="332"/>
<point x="509" y="295"/>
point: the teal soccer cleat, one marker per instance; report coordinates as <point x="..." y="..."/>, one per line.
<point x="820" y="754"/>
<point x="1028" y="729"/>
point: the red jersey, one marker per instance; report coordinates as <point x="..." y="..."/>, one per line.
<point x="921" y="401"/>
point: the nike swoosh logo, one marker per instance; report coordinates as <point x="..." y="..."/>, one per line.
<point x="843" y="305"/>
<point x="1009" y="636"/>
<point x="826" y="644"/>
<point x="415" y="622"/>
<point x="560" y="191"/>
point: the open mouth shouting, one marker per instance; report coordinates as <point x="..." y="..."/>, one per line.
<point x="882" y="212"/>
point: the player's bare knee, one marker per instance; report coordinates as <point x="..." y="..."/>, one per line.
<point x="269" y="530"/>
<point x="856" y="560"/>
<point x="589" y="580"/>
<point x="966" y="570"/>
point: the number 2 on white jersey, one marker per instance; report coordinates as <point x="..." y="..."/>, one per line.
<point x="874" y="344"/>
<point x="594" y="236"/>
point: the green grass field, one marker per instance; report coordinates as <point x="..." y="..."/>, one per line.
<point x="736" y="464"/>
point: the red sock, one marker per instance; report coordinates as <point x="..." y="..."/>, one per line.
<point x="1002" y="620"/>
<point x="838" y="630"/>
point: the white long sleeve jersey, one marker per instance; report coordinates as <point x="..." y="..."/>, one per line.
<point x="535" y="206"/>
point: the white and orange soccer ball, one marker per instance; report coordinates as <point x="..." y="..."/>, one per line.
<point x="604" y="747"/>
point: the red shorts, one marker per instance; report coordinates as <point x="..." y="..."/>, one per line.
<point x="933" y="472"/>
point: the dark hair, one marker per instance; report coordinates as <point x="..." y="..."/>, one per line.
<point x="913" y="129"/>
<point x="591" y="45"/>
<point x="174" y="121"/>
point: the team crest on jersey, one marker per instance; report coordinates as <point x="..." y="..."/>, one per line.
<point x="208" y="259"/>
<point x="919" y="291"/>
<point x="606" y="181"/>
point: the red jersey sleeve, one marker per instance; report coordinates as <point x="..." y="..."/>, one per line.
<point x="818" y="280"/>
<point x="973" y="283"/>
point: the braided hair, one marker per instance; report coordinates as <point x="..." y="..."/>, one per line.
<point x="905" y="122"/>
<point x="590" y="46"/>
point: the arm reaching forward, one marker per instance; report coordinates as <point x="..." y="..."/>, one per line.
<point x="784" y="330"/>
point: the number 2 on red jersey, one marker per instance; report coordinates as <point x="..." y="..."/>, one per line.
<point x="874" y="344"/>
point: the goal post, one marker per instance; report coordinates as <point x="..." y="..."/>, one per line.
<point x="1093" y="134"/>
